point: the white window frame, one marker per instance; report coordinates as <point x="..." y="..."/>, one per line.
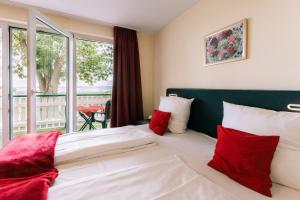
<point x="5" y="82"/>
<point x="78" y="36"/>
<point x="33" y="16"/>
<point x="6" y="98"/>
<point x="72" y="86"/>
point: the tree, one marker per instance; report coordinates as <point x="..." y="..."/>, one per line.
<point x="93" y="63"/>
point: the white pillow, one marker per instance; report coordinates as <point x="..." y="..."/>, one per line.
<point x="180" y="112"/>
<point x="285" y="168"/>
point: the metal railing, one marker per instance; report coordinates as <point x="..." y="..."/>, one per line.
<point x="51" y="109"/>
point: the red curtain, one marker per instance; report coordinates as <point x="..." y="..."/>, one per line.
<point x="127" y="103"/>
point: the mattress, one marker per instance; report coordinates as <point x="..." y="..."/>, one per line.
<point x="194" y="148"/>
<point x="165" y="179"/>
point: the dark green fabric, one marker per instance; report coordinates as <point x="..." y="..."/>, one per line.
<point x="207" y="108"/>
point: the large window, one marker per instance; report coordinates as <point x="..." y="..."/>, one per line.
<point x="52" y="79"/>
<point x="94" y="82"/>
<point x="93" y="78"/>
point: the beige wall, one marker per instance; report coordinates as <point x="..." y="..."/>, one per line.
<point x="19" y="16"/>
<point x="273" y="47"/>
<point x="146" y="47"/>
<point x="146" y="42"/>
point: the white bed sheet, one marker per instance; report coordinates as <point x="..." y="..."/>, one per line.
<point x="169" y="178"/>
<point x="194" y="148"/>
<point x="81" y="146"/>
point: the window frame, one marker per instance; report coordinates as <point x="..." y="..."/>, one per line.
<point x="6" y="106"/>
<point x="78" y="36"/>
<point x="5" y="82"/>
<point x="5" y="25"/>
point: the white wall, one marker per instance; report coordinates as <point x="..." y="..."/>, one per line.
<point x="273" y="47"/>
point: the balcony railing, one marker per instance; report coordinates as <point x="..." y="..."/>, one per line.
<point x="51" y="110"/>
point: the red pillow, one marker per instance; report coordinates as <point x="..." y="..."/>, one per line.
<point x="28" y="155"/>
<point x="159" y="122"/>
<point x="246" y="158"/>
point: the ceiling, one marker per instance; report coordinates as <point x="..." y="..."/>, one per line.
<point x="142" y="15"/>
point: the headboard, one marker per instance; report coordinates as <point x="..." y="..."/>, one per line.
<point x="207" y="108"/>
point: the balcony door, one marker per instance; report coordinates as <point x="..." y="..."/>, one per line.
<point x="49" y="89"/>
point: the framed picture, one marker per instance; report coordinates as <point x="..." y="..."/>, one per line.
<point x="227" y="45"/>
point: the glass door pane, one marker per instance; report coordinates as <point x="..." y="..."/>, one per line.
<point x="18" y="59"/>
<point x="41" y="64"/>
<point x="51" y="86"/>
<point x="94" y="84"/>
<point x="50" y="76"/>
<point x="51" y="79"/>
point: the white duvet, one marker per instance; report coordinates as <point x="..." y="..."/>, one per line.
<point x="168" y="179"/>
<point x="78" y="146"/>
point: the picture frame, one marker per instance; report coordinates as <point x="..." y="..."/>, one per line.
<point x="228" y="44"/>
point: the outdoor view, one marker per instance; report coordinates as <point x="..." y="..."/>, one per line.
<point x="94" y="80"/>
<point x="94" y="64"/>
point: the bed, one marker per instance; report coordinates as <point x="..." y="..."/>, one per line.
<point x="194" y="149"/>
<point x="132" y="162"/>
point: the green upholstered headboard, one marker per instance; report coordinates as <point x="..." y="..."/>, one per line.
<point x="207" y="108"/>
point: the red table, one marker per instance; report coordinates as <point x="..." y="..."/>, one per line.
<point x="88" y="114"/>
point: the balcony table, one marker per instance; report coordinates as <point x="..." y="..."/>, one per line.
<point x="88" y="114"/>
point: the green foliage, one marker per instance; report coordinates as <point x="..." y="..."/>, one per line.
<point x="19" y="51"/>
<point x="94" y="59"/>
<point x="50" y="49"/>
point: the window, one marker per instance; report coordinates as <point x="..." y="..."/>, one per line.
<point x="94" y="61"/>
<point x="94" y="80"/>
<point x="18" y="57"/>
<point x="51" y="81"/>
